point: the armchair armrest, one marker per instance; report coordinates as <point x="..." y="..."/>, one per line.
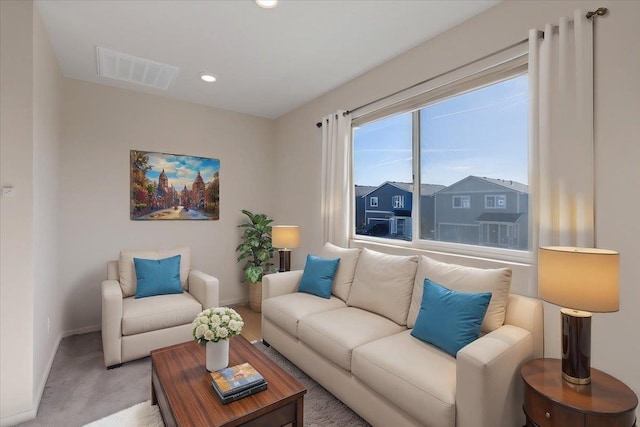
<point x="205" y="288"/>
<point x="489" y="390"/>
<point x="111" y="322"/>
<point x="280" y="283"/>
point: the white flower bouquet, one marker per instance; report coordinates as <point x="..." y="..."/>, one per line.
<point x="215" y="324"/>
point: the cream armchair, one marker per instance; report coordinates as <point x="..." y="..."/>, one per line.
<point x="132" y="327"/>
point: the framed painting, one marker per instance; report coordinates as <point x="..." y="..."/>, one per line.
<point x="174" y="187"/>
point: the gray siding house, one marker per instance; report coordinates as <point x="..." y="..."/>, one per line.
<point x="483" y="211"/>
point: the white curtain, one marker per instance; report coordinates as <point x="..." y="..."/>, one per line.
<point x="336" y="178"/>
<point x="561" y="133"/>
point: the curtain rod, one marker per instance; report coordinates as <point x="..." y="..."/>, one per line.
<point x="601" y="11"/>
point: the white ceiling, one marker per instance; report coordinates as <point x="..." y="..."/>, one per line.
<point x="268" y="61"/>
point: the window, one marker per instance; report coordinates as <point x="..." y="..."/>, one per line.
<point x="467" y="137"/>
<point x="461" y="202"/>
<point x="373" y="202"/>
<point x="495" y="202"/>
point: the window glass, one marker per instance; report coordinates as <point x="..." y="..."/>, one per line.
<point x="472" y="153"/>
<point x="383" y="155"/>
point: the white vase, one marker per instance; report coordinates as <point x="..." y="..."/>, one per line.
<point x="217" y="355"/>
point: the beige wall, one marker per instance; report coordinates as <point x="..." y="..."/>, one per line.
<point x="101" y="125"/>
<point x="616" y="343"/>
<point x="31" y="88"/>
<point x="47" y="121"/>
<point x="16" y="214"/>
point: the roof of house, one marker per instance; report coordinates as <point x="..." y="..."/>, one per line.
<point x="499" y="217"/>
<point x="361" y="190"/>
<point x="505" y="183"/>
<point x="425" y="189"/>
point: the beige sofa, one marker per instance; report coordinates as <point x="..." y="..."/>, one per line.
<point x="132" y="327"/>
<point x="357" y="344"/>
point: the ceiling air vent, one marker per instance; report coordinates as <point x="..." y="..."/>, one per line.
<point x="128" y="68"/>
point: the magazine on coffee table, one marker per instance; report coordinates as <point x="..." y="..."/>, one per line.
<point x="237" y="381"/>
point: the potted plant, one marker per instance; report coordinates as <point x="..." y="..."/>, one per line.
<point x="257" y="250"/>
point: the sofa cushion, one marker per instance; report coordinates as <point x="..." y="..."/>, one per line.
<point x="464" y="279"/>
<point x="417" y="377"/>
<point x="448" y="319"/>
<point x="346" y="269"/>
<point x="127" y="271"/>
<point x="334" y="334"/>
<point x="383" y="284"/>
<point x="158" y="312"/>
<point x="287" y="310"/>
<point x="157" y="276"/>
<point x="318" y="274"/>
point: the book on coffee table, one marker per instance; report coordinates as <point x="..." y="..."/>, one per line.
<point x="236" y="382"/>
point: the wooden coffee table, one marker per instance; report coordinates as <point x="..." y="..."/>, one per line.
<point x="181" y="387"/>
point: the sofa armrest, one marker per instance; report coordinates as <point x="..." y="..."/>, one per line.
<point x="489" y="389"/>
<point x="205" y="288"/>
<point x="111" y="322"/>
<point x="280" y="283"/>
<point x="527" y="313"/>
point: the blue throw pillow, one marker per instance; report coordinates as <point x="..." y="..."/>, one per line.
<point x="318" y="275"/>
<point x="448" y="319"/>
<point x="157" y="276"/>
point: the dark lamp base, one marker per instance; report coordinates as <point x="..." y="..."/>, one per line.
<point x="285" y="260"/>
<point x="576" y="346"/>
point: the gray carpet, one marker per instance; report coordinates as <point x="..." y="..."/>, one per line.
<point x="80" y="390"/>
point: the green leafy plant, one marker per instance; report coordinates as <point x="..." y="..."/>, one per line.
<point x="256" y="246"/>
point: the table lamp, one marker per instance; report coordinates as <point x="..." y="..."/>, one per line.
<point x="284" y="238"/>
<point x="582" y="280"/>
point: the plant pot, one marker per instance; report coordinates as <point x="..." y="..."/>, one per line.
<point x="217" y="355"/>
<point x="255" y="296"/>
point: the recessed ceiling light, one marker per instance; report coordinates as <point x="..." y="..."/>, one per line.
<point x="209" y="78"/>
<point x="267" y="4"/>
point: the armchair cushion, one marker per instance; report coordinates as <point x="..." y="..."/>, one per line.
<point x="127" y="271"/>
<point x="158" y="312"/>
<point x="157" y="276"/>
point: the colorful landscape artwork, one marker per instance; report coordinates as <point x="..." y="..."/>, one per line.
<point x="174" y="186"/>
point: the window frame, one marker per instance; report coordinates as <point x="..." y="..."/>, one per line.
<point x="496" y="204"/>
<point x="400" y="199"/>
<point x="462" y="205"/>
<point x="504" y="65"/>
<point x="371" y="199"/>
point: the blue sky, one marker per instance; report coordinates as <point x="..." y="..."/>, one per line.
<point x="181" y="170"/>
<point x="481" y="133"/>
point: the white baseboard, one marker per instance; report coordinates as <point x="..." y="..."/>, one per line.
<point x="37" y="397"/>
<point x="22" y="417"/>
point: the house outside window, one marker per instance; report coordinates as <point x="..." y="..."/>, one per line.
<point x="495" y="202"/>
<point x="468" y="137"/>
<point x="373" y="202"/>
<point x="461" y="202"/>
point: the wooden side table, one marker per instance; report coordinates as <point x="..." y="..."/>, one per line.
<point x="550" y="401"/>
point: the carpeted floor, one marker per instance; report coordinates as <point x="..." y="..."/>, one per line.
<point x="80" y="390"/>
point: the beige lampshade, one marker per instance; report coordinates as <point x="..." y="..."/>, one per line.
<point x="579" y="278"/>
<point x="285" y="236"/>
